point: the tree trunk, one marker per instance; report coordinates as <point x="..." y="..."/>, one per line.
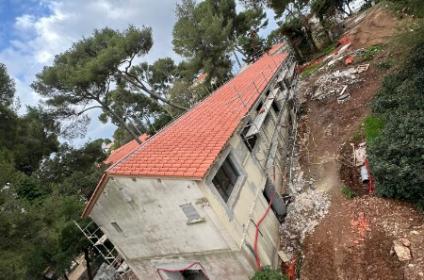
<point x="237" y="59"/>
<point x="138" y="84"/>
<point x="297" y="52"/>
<point x="310" y="40"/>
<point x="156" y="96"/>
<point x="326" y="30"/>
<point x="119" y="119"/>
<point x="87" y="262"/>
<point x="135" y="127"/>
<point x="348" y="7"/>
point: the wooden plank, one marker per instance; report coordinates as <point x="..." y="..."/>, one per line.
<point x="260" y="118"/>
<point x="282" y="76"/>
<point x="290" y="74"/>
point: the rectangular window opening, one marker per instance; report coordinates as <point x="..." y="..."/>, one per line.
<point x="187" y="274"/>
<point x="275" y="107"/>
<point x="259" y="107"/>
<point x="250" y="141"/>
<point x="278" y="206"/>
<point x="226" y="178"/>
<point x="117" y="227"/>
<point x="191" y="274"/>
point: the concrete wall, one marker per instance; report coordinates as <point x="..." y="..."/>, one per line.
<point x="153" y="224"/>
<point x="153" y="229"/>
<point x="217" y="266"/>
<point x="240" y="214"/>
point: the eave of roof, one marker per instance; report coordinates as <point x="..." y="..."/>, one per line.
<point x="95" y="196"/>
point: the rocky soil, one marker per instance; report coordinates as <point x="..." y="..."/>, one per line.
<point x="332" y="236"/>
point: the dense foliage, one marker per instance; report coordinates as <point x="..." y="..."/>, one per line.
<point x="43" y="185"/>
<point x="210" y="32"/>
<point x="397" y="153"/>
<point x="268" y="273"/>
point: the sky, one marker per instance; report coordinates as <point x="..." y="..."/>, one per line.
<point x="32" y="32"/>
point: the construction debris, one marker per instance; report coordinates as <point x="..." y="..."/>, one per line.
<point x="364" y="174"/>
<point x="337" y="82"/>
<point x="359" y="154"/>
<point x="337" y="55"/>
<point x="334" y="83"/>
<point x="106" y="272"/>
<point x="343" y="96"/>
<point x="303" y="216"/>
<point x="362" y="68"/>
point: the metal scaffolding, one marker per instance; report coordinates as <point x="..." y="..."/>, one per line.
<point x="105" y="249"/>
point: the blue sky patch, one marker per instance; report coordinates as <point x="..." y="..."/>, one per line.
<point x="10" y="10"/>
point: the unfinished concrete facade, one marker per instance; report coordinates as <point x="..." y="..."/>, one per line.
<point x="220" y="226"/>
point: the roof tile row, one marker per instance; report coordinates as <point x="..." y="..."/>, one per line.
<point x="189" y="146"/>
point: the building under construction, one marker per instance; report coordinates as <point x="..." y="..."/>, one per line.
<point x="201" y="198"/>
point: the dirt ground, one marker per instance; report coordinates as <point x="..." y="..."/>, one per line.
<point x="375" y="26"/>
<point x="355" y="238"/>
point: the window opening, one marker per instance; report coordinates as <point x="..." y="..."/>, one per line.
<point x="226" y="178"/>
<point x="278" y="205"/>
<point x="250" y="141"/>
<point x="275" y="107"/>
<point x="190" y="274"/>
<point x="259" y="107"/>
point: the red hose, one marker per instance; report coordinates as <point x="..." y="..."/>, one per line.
<point x="255" y="244"/>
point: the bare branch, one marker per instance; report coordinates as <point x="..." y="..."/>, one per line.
<point x="88" y="109"/>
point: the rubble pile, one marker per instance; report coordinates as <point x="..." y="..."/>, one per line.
<point x="303" y="215"/>
<point x="335" y="83"/>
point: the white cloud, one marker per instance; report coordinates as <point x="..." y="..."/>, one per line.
<point x="36" y="40"/>
<point x="25" y="22"/>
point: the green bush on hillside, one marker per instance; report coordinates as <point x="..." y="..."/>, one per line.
<point x="268" y="273"/>
<point x="396" y="153"/>
<point x="416" y="7"/>
<point x="372" y="126"/>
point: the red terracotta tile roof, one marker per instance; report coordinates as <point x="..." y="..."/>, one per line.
<point x="124" y="150"/>
<point x="275" y="48"/>
<point x="189" y="145"/>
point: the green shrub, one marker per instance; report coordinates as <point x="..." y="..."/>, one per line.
<point x="397" y="154"/>
<point x="385" y="65"/>
<point x="347" y="192"/>
<point x="370" y="52"/>
<point x="372" y="126"/>
<point x="311" y="69"/>
<point x="415" y="7"/>
<point x="268" y="273"/>
<point x="329" y="49"/>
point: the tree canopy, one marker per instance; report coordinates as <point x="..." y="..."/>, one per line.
<point x="98" y="72"/>
<point x="209" y="33"/>
<point x="7" y="87"/>
<point x="43" y="185"/>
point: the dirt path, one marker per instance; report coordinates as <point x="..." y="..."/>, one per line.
<point x="327" y="126"/>
<point x="355" y="238"/>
